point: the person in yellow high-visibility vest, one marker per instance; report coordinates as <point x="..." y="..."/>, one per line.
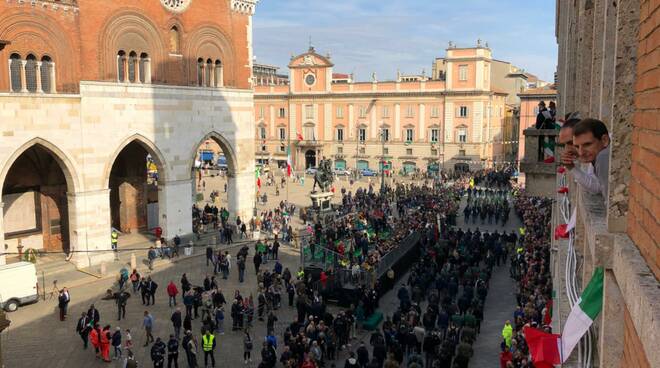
<point x="208" y="344"/>
<point x="114" y="236"/>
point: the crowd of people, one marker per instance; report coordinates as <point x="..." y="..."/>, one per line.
<point x="530" y="268"/>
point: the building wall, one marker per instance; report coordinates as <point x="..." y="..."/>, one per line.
<point x="87" y="129"/>
<point x="644" y="202"/>
<point x="529" y="104"/>
<point x="608" y="69"/>
<point x="83" y="39"/>
<point x="422" y="106"/>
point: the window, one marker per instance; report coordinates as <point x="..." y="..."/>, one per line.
<point x="409" y="152"/>
<point x="144" y="68"/>
<point x="463" y="112"/>
<point x="282" y="148"/>
<point x="310" y="134"/>
<point x="386" y="151"/>
<point x="309" y="111"/>
<point x="410" y="111"/>
<point x="132" y="57"/>
<point x="340" y="134"/>
<point x="262" y="112"/>
<point x="340" y="149"/>
<point x="207" y="72"/>
<point x="386" y="112"/>
<point x="263" y="148"/>
<point x="461" y="152"/>
<point x="462" y="72"/>
<point x="410" y="134"/>
<point x="435" y="112"/>
<point x="385" y="134"/>
<point x="363" y="112"/>
<point x="15" y="70"/>
<point x="282" y="113"/>
<point x="362" y="150"/>
<point x="174" y="40"/>
<point x="434" y="135"/>
<point x="46" y="65"/>
<point x="362" y="134"/>
<point x="31" y="73"/>
<point x="200" y="72"/>
<point x="340" y="112"/>
<point x="434" y="152"/>
<point x="282" y="133"/>
<point x="462" y="135"/>
<point x="262" y="133"/>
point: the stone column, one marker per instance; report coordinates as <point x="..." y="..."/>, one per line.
<point x="125" y="63"/>
<point x="23" y="80"/>
<point x="147" y="70"/>
<point x="610" y="344"/>
<point x="3" y="257"/>
<point x="241" y="191"/>
<point x="174" y="203"/>
<point x="120" y="61"/>
<point x="53" y="80"/>
<point x="38" y="75"/>
<point x="203" y="67"/>
<point x="89" y="227"/>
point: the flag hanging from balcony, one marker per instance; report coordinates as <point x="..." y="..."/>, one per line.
<point x="543" y="347"/>
<point x="299" y="136"/>
<point x="583" y="314"/>
<point x="288" y="162"/>
<point x="257" y="174"/>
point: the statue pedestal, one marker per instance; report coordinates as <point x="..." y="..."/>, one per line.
<point x="321" y="201"/>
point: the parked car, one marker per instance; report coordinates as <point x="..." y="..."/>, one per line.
<point x="368" y="172"/>
<point x="311" y="171"/>
<point x="19" y="286"/>
<point x="342" y="172"/>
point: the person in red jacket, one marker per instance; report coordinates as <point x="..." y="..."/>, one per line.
<point x="172" y="291"/>
<point x="94" y="338"/>
<point x="323" y="279"/>
<point x="105" y="343"/>
<point x="505" y="356"/>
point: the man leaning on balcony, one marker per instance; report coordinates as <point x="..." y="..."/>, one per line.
<point x="590" y="144"/>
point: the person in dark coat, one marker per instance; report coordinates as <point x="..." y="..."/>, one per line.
<point x="173" y="351"/>
<point x="362" y="355"/>
<point x="158" y="353"/>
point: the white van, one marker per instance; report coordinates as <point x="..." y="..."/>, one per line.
<point x="18" y="285"/>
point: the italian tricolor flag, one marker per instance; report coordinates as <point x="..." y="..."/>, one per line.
<point x="583" y="314"/>
<point x="288" y="162"/>
<point x="550" y="349"/>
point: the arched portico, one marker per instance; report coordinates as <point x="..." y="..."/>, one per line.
<point x="36" y="182"/>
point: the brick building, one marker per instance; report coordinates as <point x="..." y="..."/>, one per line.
<point x="609" y="69"/>
<point x="454" y="118"/>
<point x="104" y="105"/>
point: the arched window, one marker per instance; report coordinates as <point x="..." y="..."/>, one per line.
<point x="31" y="73"/>
<point x="46" y="65"/>
<point x="200" y="72"/>
<point x="132" y="57"/>
<point x="145" y="68"/>
<point x="15" y="70"/>
<point x="121" y="66"/>
<point x="219" y="79"/>
<point x="174" y="40"/>
<point x="208" y="80"/>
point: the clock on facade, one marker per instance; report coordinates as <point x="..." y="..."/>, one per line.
<point x="310" y="79"/>
<point x="176" y="5"/>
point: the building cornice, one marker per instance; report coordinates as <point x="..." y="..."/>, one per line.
<point x="306" y="96"/>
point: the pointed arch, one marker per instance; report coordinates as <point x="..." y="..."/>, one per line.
<point x="148" y="145"/>
<point x="63" y="160"/>
<point x="227" y="149"/>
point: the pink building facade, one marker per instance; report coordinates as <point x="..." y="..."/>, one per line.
<point x="419" y="125"/>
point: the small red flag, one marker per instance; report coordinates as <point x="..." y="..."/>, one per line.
<point x="543" y="347"/>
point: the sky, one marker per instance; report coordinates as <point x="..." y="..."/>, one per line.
<point x="381" y="36"/>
